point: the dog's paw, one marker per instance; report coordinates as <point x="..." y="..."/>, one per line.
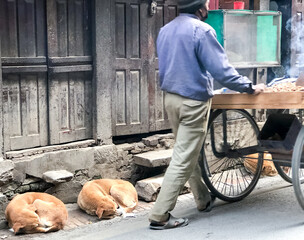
<point x="120" y="211"/>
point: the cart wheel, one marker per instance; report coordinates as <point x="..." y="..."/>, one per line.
<point x="223" y="167"/>
<point x="297" y="177"/>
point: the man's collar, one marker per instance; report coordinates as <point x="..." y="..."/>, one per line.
<point x="189" y="15"/>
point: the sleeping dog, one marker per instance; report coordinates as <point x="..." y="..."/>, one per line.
<point x="34" y="212"/>
<point x="107" y="198"/>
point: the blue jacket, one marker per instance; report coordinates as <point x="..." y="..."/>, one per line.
<point x="188" y="51"/>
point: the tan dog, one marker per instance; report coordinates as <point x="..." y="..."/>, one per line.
<point x="35" y="212"/>
<point x="107" y="197"/>
<point x="268" y="168"/>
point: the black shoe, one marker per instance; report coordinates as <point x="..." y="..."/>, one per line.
<point x="210" y="204"/>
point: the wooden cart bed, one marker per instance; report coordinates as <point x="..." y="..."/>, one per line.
<point x="267" y="100"/>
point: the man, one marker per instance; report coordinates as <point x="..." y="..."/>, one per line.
<point x="188" y="53"/>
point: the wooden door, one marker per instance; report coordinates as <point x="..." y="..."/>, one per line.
<point x="213" y="4"/>
<point x="166" y="11"/>
<point x="69" y="70"/>
<point x="130" y="110"/>
<point x="22" y="26"/>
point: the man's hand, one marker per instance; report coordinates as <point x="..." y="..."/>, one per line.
<point x="258" y="88"/>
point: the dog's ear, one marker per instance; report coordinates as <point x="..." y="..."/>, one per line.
<point x="17" y="226"/>
<point x="99" y="212"/>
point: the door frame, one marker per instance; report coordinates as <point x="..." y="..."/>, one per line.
<point x="1" y="110"/>
<point x="102" y="47"/>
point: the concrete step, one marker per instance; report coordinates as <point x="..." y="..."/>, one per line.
<point x="154" y="158"/>
<point x="148" y="189"/>
<point x="59" y="176"/>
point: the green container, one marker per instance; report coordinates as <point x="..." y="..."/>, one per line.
<point x="250" y="38"/>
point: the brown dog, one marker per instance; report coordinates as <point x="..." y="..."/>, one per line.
<point x="34" y="212"/>
<point x="107" y="197"/>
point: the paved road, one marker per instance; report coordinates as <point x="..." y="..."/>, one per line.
<point x="269" y="212"/>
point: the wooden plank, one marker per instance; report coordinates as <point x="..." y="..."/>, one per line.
<point x="26" y="28"/>
<point x="62" y="27"/>
<point x="276" y="100"/>
<point x="72" y="28"/>
<point x="87" y="28"/>
<point x="41" y="28"/>
<point x="71" y="60"/>
<point x="88" y="106"/>
<point x="23" y="60"/>
<point x="51" y="28"/>
<point x="8" y="21"/>
<point x="24" y="69"/>
<point x="66" y="69"/>
<point x="43" y="108"/>
<point x="54" y="108"/>
<point x="79" y="27"/>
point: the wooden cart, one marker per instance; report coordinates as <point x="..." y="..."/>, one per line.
<point x="233" y="135"/>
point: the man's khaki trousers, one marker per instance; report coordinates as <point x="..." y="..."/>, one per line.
<point x="189" y="119"/>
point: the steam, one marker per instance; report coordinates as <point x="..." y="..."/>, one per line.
<point x="295" y="27"/>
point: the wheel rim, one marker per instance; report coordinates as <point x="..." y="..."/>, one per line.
<point x="227" y="176"/>
<point x="296" y="170"/>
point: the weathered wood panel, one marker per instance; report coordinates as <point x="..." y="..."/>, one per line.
<point x="70" y="107"/>
<point x="130" y="110"/>
<point x="70" y="70"/>
<point x="24" y="110"/>
<point x="22" y="26"/>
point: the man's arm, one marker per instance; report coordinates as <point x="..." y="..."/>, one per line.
<point x="213" y="58"/>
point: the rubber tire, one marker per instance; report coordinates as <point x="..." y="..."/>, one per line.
<point x="296" y="159"/>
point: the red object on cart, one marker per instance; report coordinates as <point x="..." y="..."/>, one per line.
<point x="238" y="5"/>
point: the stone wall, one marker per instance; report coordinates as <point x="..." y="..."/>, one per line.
<point x="24" y="171"/>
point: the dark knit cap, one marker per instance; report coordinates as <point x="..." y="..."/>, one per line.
<point x="190" y="6"/>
